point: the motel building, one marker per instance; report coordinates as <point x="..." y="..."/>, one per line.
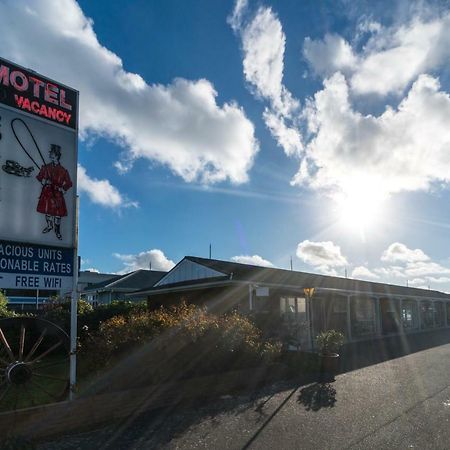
<point x="285" y="300"/>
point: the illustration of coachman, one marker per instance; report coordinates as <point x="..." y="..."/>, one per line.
<point x="55" y="182"/>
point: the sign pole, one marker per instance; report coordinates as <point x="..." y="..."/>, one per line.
<point x="73" y="311"/>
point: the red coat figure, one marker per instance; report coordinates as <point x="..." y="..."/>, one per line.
<point x="55" y="182"/>
<point x="52" y="201"/>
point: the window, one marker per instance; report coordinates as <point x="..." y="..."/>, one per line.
<point x="439" y="317"/>
<point x="427" y="314"/>
<point x="390" y="315"/>
<point x="362" y="313"/>
<point x="293" y="308"/>
<point x="410" y="315"/>
<point x="336" y="318"/>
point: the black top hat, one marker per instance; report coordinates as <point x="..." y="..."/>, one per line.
<point x="56" y="150"/>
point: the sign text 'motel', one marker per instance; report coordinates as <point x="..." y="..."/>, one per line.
<point x="25" y="90"/>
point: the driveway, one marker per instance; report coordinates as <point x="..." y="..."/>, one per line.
<point x="401" y="403"/>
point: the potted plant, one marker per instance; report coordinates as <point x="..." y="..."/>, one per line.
<point x="329" y="343"/>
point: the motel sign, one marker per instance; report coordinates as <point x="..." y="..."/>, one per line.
<point x="38" y="175"/>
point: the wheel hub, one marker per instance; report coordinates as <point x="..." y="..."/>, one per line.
<point x="18" y="373"/>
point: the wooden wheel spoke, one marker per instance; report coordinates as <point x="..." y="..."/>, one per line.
<point x="30" y="395"/>
<point x="36" y="345"/>
<point x="44" y="390"/>
<point x="51" y="364"/>
<point x="51" y="377"/>
<point x="6" y="345"/>
<point x="3" y="394"/>
<point x="21" y="341"/>
<point x="42" y="355"/>
<point x="16" y="398"/>
<point x="3" y="362"/>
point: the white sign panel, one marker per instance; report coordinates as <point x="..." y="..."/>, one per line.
<point x="262" y="292"/>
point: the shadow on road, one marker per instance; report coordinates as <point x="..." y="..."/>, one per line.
<point x="366" y="353"/>
<point x="317" y="396"/>
<point x="157" y="428"/>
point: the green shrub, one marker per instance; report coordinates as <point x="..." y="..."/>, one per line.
<point x="89" y="319"/>
<point x="185" y="340"/>
<point x="4" y="311"/>
<point x="59" y="313"/>
<point x="330" y="341"/>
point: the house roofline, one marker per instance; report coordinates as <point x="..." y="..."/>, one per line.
<point x="349" y="292"/>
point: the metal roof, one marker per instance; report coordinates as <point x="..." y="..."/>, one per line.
<point x="247" y="273"/>
<point x="139" y="279"/>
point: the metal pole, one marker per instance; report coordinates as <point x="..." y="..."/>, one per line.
<point x="73" y="312"/>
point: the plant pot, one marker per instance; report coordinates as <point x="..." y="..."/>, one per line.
<point x="329" y="366"/>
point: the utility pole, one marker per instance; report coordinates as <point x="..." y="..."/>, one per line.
<point x="291" y="263"/>
<point x="209" y="251"/>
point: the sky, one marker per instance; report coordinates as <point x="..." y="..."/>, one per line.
<point x="303" y="130"/>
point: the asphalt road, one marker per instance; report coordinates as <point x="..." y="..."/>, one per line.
<point x="402" y="403"/>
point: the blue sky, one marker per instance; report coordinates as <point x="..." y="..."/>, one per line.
<point x="269" y="129"/>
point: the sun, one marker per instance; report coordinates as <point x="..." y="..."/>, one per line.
<point x="361" y="206"/>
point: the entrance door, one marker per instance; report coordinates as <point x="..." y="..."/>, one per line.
<point x="390" y="315"/>
<point x="294" y="314"/>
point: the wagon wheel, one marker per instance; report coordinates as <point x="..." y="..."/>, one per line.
<point x="34" y="363"/>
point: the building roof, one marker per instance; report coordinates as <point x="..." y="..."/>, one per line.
<point x="133" y="281"/>
<point x="237" y="272"/>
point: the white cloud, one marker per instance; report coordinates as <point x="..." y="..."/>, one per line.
<point x="398" y="252"/>
<point x="92" y="269"/>
<point x="403" y="265"/>
<point x="403" y="149"/>
<point x="329" y="55"/>
<point x="179" y="125"/>
<point x="101" y="192"/>
<point x="142" y="260"/>
<point x="424" y="268"/>
<point x="286" y="136"/>
<point x="263" y="45"/>
<point x="406" y="147"/>
<point x="236" y="17"/>
<point x="390" y="272"/>
<point x="416" y="282"/>
<point x="324" y="256"/>
<point x="364" y="273"/>
<point x="401" y="52"/>
<point x="439" y="279"/>
<point x="254" y="260"/>
<point x="413" y="265"/>
<point x="404" y="53"/>
<point x="368" y="26"/>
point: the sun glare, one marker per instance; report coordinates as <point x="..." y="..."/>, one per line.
<point x="360" y="208"/>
